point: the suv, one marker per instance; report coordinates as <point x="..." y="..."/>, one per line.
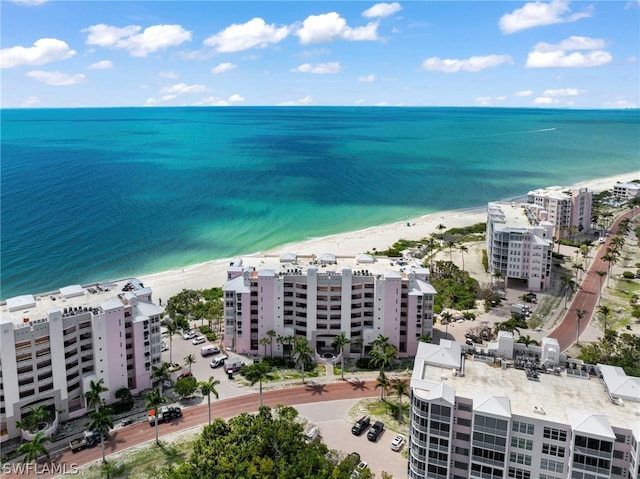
<point x="360" y="425"/>
<point x="218" y="360"/>
<point x="375" y="431"/>
<point x="189" y="335"/>
<point x="198" y="340"/>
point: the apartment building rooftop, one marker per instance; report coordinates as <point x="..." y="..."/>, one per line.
<point x="513" y="215"/>
<point x="560" y="397"/>
<point x="73" y="299"/>
<point x="558" y="192"/>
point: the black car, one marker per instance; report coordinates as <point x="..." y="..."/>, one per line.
<point x="375" y="431"/>
<point x="360" y="425"/>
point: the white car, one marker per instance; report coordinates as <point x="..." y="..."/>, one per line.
<point x="358" y="470"/>
<point x="397" y="443"/>
<point x="198" y="340"/>
<point x="189" y="334"/>
<point x="165" y="346"/>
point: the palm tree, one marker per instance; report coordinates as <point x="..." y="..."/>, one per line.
<point x="265" y="342"/>
<point x="527" y="341"/>
<point x="161" y="374"/>
<point x="580" y="314"/>
<point x="601" y="275"/>
<point x="302" y="351"/>
<point x="610" y="258"/>
<point x="445" y="318"/>
<point x="154" y="399"/>
<point x="32" y="418"/>
<point x="577" y="267"/>
<point x="340" y="342"/>
<point x="440" y="228"/>
<point x="425" y="338"/>
<point x="463" y="249"/>
<point x="605" y="311"/>
<point x="189" y="360"/>
<point x="33" y="449"/>
<point x="498" y="275"/>
<point x="258" y="372"/>
<point x="172" y="328"/>
<point x="101" y="421"/>
<point x="208" y="388"/>
<point x="451" y="244"/>
<point x="569" y="286"/>
<point x="400" y="388"/>
<point x="383" y="383"/>
<point x="96" y="388"/>
<point x="271" y="334"/>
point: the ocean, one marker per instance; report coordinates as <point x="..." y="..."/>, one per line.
<point x="101" y="194"/>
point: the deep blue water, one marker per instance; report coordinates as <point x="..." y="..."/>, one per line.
<point x="100" y="194"/>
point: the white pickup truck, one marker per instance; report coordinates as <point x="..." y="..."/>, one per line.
<point x="165" y="413"/>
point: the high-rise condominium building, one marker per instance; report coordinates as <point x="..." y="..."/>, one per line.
<point x="52" y="346"/>
<point x="320" y="301"/>
<point x="566" y="208"/>
<point x="473" y="420"/>
<point x="519" y="245"/>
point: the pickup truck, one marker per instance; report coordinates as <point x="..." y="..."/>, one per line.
<point x="165" y="413"/>
<point x="375" y="431"/>
<point x="360" y="425"/>
<point x="88" y="439"/>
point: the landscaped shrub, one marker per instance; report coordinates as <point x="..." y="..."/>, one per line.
<point x="628" y="275"/>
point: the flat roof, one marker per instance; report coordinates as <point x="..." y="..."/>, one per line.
<point x="553" y="398"/>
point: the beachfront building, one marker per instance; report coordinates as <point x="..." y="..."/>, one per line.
<point x="519" y="245"/>
<point x="53" y="345"/>
<point x="568" y="209"/>
<point x="626" y="191"/>
<point x="323" y="300"/>
<point x="471" y="419"/>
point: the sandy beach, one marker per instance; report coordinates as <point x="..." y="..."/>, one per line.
<point x="213" y="273"/>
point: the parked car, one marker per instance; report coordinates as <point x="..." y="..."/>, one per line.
<point x="218" y="360"/>
<point x="358" y="470"/>
<point x="208" y="350"/>
<point x="189" y="334"/>
<point x="185" y="374"/>
<point x="165" y="346"/>
<point x="375" y="431"/>
<point x="397" y="442"/>
<point x="198" y="340"/>
<point x="165" y="413"/>
<point x="360" y="425"/>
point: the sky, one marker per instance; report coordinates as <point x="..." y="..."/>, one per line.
<point x="555" y="54"/>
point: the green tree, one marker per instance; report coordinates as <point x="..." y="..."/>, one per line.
<point x="382" y="383"/>
<point x="340" y="342"/>
<point x="33" y="449"/>
<point x="401" y="389"/>
<point x="170" y="331"/>
<point x="568" y="286"/>
<point x="185" y="387"/>
<point x="271" y="334"/>
<point x="257" y="373"/>
<point x="30" y="421"/>
<point x="265" y="342"/>
<point x="101" y="421"/>
<point x="425" y="338"/>
<point x="605" y="311"/>
<point x="302" y="353"/>
<point x="580" y="313"/>
<point x="601" y="274"/>
<point x="463" y="249"/>
<point x="96" y="388"/>
<point x="153" y="399"/>
<point x="527" y="341"/>
<point x="208" y="388"/>
<point x="189" y="360"/>
<point x="160" y="375"/>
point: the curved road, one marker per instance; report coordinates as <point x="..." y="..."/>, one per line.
<point x="123" y="438"/>
<point x="587" y="295"/>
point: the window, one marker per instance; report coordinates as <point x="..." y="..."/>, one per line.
<point x="522" y="427"/>
<point x="519" y="458"/>
<point x="464" y="422"/>
<point x="519" y="473"/>
<point x="555" y="434"/>
<point x="552" y="450"/>
<point x="553" y="466"/>
<point x="521" y="443"/>
<point x="464" y="407"/>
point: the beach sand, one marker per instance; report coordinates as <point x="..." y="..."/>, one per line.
<point x="213" y="273"/>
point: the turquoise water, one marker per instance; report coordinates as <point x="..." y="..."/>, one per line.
<point x="99" y="194"/>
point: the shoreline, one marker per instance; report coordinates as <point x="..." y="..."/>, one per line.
<point x="212" y="273"/>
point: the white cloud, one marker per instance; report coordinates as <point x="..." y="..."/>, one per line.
<point x="307" y="100"/>
<point x="472" y="64"/>
<point x="367" y="79"/>
<point x="536" y="14"/>
<point x="151" y="39"/>
<point x="223" y="68"/>
<point x="215" y="101"/>
<point x="562" y="92"/>
<point x="382" y="10"/>
<point x="619" y="104"/>
<point x="180" y="88"/>
<point x="44" y="50"/>
<point x="103" y="65"/>
<point x="239" y="37"/>
<point x="331" y="26"/>
<point x="30" y="101"/>
<point x="169" y="75"/>
<point x="545" y="100"/>
<point x="56" y="78"/>
<point x="560" y="59"/>
<point x="524" y="93"/>
<point x="236" y="98"/>
<point x="29" y="3"/>
<point x="318" y="68"/>
<point x="158" y="101"/>
<point x="483" y="101"/>
<point x="571" y="43"/>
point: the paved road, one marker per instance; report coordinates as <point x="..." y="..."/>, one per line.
<point x="121" y="439"/>
<point x="587" y="295"/>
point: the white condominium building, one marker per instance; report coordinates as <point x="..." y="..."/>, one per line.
<point x="626" y="191"/>
<point x="320" y="301"/>
<point x="472" y="420"/>
<point x="566" y="208"/>
<point x="53" y="345"/>
<point x="519" y="245"/>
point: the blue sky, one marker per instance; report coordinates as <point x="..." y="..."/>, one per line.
<point x="556" y="54"/>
